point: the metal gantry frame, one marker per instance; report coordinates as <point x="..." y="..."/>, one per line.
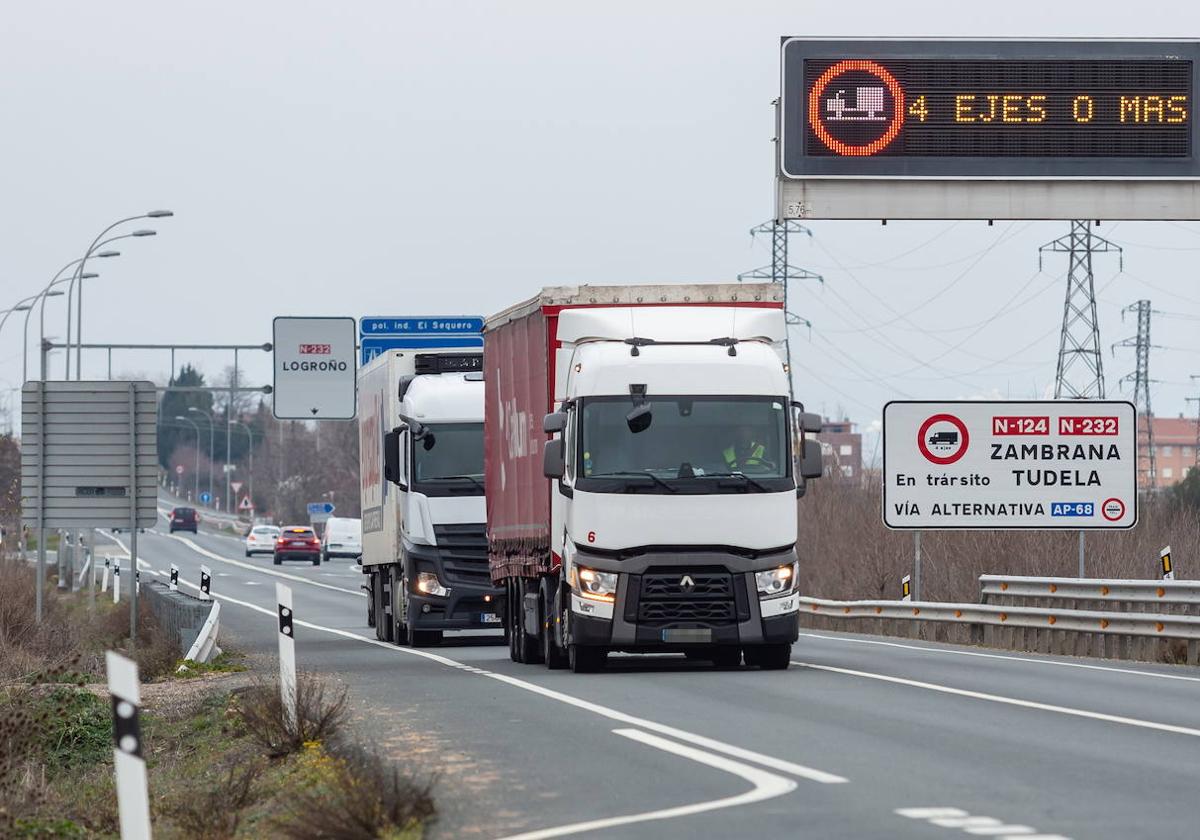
<point x="1079" y="342"/>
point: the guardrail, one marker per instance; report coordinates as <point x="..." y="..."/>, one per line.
<point x="1048" y="629"/>
<point x="1092" y="589"/>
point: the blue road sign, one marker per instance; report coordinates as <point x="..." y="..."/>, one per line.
<point x="369" y="348"/>
<point x="421" y="325"/>
<point x="315" y="508"/>
<point x="205" y="497"/>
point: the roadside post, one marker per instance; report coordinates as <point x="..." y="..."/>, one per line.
<point x="116" y="581"/>
<point x="205" y="582"/>
<point x="1082" y="548"/>
<point x="906" y="588"/>
<point x="287" y="653"/>
<point x="916" y="576"/>
<point x="107" y="568"/>
<point x="1164" y="557"/>
<point x="129" y="766"/>
<point x="174" y="577"/>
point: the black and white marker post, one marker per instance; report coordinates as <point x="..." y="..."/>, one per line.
<point x="287" y="653"/>
<point x="174" y="578"/>
<point x="116" y="581"/>
<point x="205" y="582"/>
<point x="1164" y="557"/>
<point x="107" y="569"/>
<point x="133" y="800"/>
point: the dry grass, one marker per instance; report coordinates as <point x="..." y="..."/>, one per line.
<point x="847" y="553"/>
<point x="214" y="808"/>
<point x="320" y="714"/>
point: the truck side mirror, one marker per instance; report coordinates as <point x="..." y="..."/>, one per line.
<point x="391" y="455"/>
<point x="809" y="422"/>
<point x="554" y="463"/>
<point x="810" y="462"/>
<point x="555" y="422"/>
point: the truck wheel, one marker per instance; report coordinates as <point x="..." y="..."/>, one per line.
<point x="586" y="660"/>
<point x="371" y="602"/>
<point x="770" y="657"/>
<point x="552" y="654"/>
<point x="529" y="647"/>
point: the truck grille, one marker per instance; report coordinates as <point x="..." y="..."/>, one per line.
<point x="687" y="596"/>
<point x="464" y="553"/>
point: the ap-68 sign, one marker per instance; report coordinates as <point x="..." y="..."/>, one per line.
<point x="1035" y="465"/>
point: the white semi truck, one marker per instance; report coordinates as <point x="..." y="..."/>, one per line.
<point x="424" y="544"/>
<point x="643" y="464"/>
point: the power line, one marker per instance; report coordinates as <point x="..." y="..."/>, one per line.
<point x="1141" y="390"/>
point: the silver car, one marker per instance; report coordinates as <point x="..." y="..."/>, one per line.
<point x="261" y="540"/>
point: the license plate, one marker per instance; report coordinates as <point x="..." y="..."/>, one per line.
<point x="687" y="634"/>
<point x="489" y="618"/>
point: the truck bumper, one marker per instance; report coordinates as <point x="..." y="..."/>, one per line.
<point x="462" y="609"/>
<point x="652" y="614"/>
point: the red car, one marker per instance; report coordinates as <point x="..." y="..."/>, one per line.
<point x="298" y="542"/>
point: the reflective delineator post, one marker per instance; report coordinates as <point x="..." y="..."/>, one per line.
<point x="174" y="577"/>
<point x="133" y="799"/>
<point x="205" y="582"/>
<point x="116" y="581"/>
<point x="906" y="588"/>
<point x="107" y="569"/>
<point x="287" y="653"/>
<point x="1164" y="557"/>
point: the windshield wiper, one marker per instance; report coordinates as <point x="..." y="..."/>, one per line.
<point x="469" y="478"/>
<point x="642" y="473"/>
<point x="757" y="485"/>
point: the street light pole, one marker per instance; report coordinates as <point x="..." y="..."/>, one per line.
<point x="25" y="340"/>
<point x="211" y="450"/>
<point x="196" y="471"/>
<point x="153" y="214"/>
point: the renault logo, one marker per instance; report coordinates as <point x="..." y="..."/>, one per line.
<point x="687" y="583"/>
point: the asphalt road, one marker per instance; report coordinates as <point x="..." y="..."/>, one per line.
<point x="862" y="737"/>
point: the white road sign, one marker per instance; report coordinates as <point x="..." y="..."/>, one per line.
<point x="315" y="376"/>
<point x="1028" y="465"/>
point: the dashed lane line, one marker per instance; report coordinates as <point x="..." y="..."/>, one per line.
<point x="1010" y="701"/>
<point x="956" y="652"/>
<point x="214" y="556"/>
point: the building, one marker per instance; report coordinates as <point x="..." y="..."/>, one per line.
<point x="1174" y="448"/>
<point x="841" y="446"/>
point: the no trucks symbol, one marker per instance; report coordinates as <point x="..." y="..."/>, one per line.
<point x="943" y="439"/>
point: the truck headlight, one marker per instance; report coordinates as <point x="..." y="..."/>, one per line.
<point x="599" y="586"/>
<point x="778" y="581"/>
<point x="428" y="583"/>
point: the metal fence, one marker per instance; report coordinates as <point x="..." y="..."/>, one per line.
<point x="1117" y="619"/>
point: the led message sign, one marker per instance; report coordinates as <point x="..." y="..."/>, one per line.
<point x="999" y="109"/>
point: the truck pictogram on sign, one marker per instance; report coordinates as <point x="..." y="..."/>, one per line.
<point x="943" y="439"/>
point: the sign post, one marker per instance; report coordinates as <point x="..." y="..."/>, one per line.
<point x="315" y="372"/>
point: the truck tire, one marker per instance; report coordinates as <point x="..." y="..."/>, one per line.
<point x="554" y="656"/>
<point x="586" y="660"/>
<point x="769" y="657"/>
<point x="529" y="649"/>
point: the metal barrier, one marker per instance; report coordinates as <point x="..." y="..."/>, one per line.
<point x="1091" y="589"/>
<point x="1039" y="628"/>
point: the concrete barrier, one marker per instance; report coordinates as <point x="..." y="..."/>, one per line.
<point x="181" y="615"/>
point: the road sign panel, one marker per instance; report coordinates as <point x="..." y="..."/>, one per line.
<point x="1032" y="465"/>
<point x="205" y="497"/>
<point x="421" y="325"/>
<point x="235" y="485"/>
<point x="179" y="469"/>
<point x="89" y="454"/>
<point x="315" y="373"/>
<point x="372" y="347"/>
<point x="1043" y="128"/>
<point x="246" y="504"/>
<point x="320" y="507"/>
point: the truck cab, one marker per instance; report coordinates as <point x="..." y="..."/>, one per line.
<point x="424" y="538"/>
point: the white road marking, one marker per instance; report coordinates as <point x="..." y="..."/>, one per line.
<point x="766" y="786"/>
<point x="1011" y="701"/>
<point x="979" y="826"/>
<point x="798" y="770"/>
<point x="955" y="652"/>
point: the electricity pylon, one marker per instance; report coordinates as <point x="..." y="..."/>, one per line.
<point x="1079" y="343"/>
<point x="1147" y="468"/>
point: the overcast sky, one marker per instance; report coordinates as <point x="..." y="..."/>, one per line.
<point x="389" y="158"/>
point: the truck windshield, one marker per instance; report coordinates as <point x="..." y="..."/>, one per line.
<point x="690" y="445"/>
<point x="448" y="461"/>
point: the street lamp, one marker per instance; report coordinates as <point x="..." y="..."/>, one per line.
<point x="153" y="214"/>
<point x="25" y="340"/>
<point x="250" y="468"/>
<point x="196" y="471"/>
<point x="211" y="429"/>
<point x="58" y="279"/>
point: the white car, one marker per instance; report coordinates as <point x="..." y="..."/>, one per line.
<point x="342" y="538"/>
<point x="261" y="540"/>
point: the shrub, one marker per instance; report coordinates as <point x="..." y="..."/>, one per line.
<point x="214" y="808"/>
<point x="320" y="714"/>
